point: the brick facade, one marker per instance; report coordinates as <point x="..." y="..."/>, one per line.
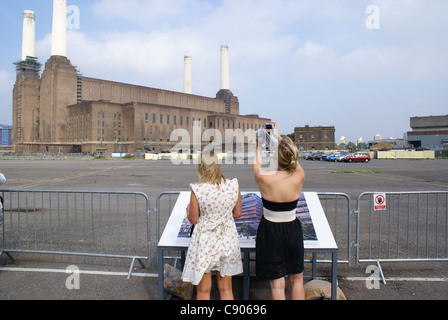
<point x="314" y="138"/>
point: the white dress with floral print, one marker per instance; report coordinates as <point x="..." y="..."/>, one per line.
<point x="214" y="244"/>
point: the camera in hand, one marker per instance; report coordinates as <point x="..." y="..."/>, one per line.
<point x="268" y="126"/>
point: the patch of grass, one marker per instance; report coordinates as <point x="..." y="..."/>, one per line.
<point x="129" y="157"/>
<point x="350" y="171"/>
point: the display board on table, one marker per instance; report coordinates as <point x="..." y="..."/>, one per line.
<point x="316" y="231"/>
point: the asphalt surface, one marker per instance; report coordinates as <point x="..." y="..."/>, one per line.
<point x="44" y="277"/>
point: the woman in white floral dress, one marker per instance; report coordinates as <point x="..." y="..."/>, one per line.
<point x="215" y="203"/>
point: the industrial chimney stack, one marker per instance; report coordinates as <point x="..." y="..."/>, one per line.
<point x="187" y="75"/>
<point x="59" y="34"/>
<point x="29" y="35"/>
<point x="225" y="67"/>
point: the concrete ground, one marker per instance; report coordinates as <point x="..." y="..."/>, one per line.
<point x="44" y="277"/>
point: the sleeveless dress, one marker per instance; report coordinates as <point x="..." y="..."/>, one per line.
<point x="279" y="243"/>
<point x="214" y="245"/>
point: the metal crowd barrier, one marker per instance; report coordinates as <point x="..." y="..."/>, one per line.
<point x="82" y="223"/>
<point x="413" y="226"/>
<point x="337" y="208"/>
<point x="164" y="206"/>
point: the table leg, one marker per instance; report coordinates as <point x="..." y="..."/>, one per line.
<point x="160" y="272"/>
<point x="246" y="275"/>
<point x="334" y="277"/>
<point x="314" y="266"/>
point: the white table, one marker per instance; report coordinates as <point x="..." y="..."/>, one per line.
<point x="325" y="242"/>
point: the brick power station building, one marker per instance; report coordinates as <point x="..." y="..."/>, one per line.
<point x="61" y="111"/>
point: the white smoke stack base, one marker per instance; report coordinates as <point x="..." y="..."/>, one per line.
<point x="28" y="35"/>
<point x="187" y="75"/>
<point x="59" y="34"/>
<point x="225" y="67"/>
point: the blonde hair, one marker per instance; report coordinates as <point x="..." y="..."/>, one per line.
<point x="209" y="170"/>
<point x="288" y="155"/>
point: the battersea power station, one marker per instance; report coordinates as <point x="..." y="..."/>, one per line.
<point x="62" y="111"/>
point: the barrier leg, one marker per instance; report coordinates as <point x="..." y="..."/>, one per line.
<point x="132" y="266"/>
<point x="8" y="254"/>
<point x="383" y="280"/>
<point x="130" y="269"/>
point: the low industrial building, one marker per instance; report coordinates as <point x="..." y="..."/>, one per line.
<point x="429" y="132"/>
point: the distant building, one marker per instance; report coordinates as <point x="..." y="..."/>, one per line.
<point x="314" y="138"/>
<point x="429" y="132"/>
<point x="6" y="135"/>
<point x="392" y="142"/>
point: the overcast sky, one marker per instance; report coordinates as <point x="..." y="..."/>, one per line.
<point x="299" y="62"/>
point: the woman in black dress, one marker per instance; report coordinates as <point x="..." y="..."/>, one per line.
<point x="279" y="244"/>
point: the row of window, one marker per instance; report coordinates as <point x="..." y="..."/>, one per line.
<point x="313" y="136"/>
<point x="194" y="122"/>
<point x="174" y="119"/>
<point x="81" y="128"/>
<point x="169" y="119"/>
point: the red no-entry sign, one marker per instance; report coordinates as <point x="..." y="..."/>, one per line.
<point x="379" y="201"/>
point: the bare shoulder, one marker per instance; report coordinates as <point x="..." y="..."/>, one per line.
<point x="300" y="172"/>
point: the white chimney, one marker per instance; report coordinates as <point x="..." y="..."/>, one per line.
<point x="59" y="35"/>
<point x="29" y="35"/>
<point x="187" y="75"/>
<point x="225" y="67"/>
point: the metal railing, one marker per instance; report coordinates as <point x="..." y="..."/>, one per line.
<point x="337" y="209"/>
<point x="83" y="223"/>
<point x="164" y="206"/>
<point x="413" y="226"/>
<point x="167" y="205"/>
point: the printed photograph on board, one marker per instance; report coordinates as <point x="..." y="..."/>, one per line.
<point x="252" y="212"/>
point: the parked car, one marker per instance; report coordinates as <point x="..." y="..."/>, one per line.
<point x="311" y="156"/>
<point x="331" y="157"/>
<point x="318" y="156"/>
<point x="341" y="157"/>
<point x="307" y="156"/>
<point x="335" y="157"/>
<point x="358" y="157"/>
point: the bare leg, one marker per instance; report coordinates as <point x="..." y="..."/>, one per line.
<point x="297" y="289"/>
<point x="204" y="287"/>
<point x="225" y="287"/>
<point x="278" y="289"/>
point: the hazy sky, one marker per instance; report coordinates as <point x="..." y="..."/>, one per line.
<point x="299" y="62"/>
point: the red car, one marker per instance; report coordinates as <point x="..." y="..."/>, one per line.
<point x="357" y="157"/>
